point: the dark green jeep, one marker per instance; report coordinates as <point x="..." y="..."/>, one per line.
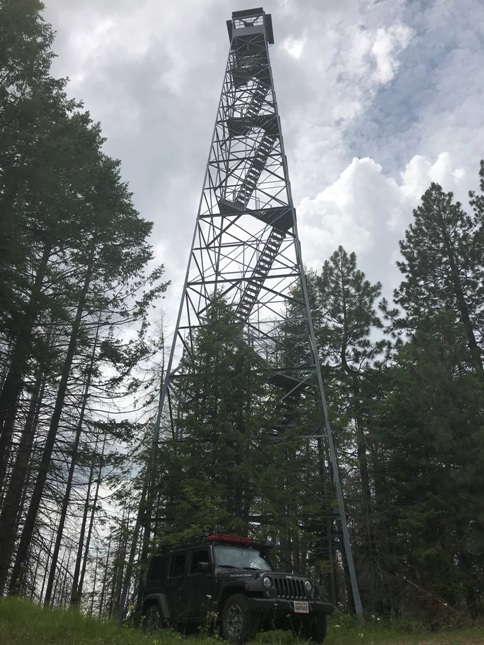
<point x="230" y="583"/>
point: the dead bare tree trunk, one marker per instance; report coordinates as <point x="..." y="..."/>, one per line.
<point x="79" y="574"/>
<point x="39" y="485"/>
<point x="70" y="477"/>
<point x="105" y="580"/>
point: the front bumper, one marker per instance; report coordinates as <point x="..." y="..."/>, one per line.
<point x="282" y="608"/>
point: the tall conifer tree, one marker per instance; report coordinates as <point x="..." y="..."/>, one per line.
<point x="443" y="268"/>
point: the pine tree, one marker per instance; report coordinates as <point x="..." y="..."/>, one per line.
<point x="432" y="455"/>
<point x="353" y="351"/>
<point x="217" y="455"/>
<point x="443" y="268"/>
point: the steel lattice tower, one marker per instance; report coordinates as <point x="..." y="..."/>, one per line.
<point x="246" y="246"/>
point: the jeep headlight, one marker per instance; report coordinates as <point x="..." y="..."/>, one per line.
<point x="267" y="582"/>
<point x="308" y="585"/>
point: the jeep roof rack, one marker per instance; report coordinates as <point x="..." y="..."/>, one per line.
<point x="239" y="541"/>
<point x="215" y="537"/>
<point x="230" y="538"/>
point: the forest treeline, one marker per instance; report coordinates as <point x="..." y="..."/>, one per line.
<point x="80" y="367"/>
<point x="74" y="257"/>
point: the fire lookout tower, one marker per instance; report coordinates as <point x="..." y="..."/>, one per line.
<point x="246" y="249"/>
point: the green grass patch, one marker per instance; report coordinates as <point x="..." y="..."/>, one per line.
<point x="345" y="630"/>
<point x="25" y="623"/>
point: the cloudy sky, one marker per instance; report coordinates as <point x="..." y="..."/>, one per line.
<point x="377" y="99"/>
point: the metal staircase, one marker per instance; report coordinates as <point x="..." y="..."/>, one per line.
<point x="251" y="292"/>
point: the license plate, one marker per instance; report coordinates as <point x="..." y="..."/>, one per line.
<point x="301" y="607"/>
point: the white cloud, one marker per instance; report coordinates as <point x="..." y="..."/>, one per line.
<point x="367" y="212"/>
<point x="294" y="46"/>
<point x="387" y="43"/>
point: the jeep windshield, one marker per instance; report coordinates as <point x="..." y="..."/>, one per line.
<point x="232" y="557"/>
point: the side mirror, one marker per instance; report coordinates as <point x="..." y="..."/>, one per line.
<point x="202" y="567"/>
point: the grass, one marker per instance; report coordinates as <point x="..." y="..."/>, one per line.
<point x="344" y="630"/>
<point x="25" y="623"/>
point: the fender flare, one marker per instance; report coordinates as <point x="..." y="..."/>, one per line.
<point x="161" y="600"/>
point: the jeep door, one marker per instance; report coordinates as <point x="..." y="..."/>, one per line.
<point x="176" y="585"/>
<point x="156" y="577"/>
<point x="199" y="590"/>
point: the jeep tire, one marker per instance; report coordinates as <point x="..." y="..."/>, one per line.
<point x="238" y="623"/>
<point x="152" y="620"/>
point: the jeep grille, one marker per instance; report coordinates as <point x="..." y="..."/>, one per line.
<point x="290" y="587"/>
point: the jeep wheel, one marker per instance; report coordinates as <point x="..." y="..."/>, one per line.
<point x="238" y="624"/>
<point x="314" y="629"/>
<point x="152" y="620"/>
